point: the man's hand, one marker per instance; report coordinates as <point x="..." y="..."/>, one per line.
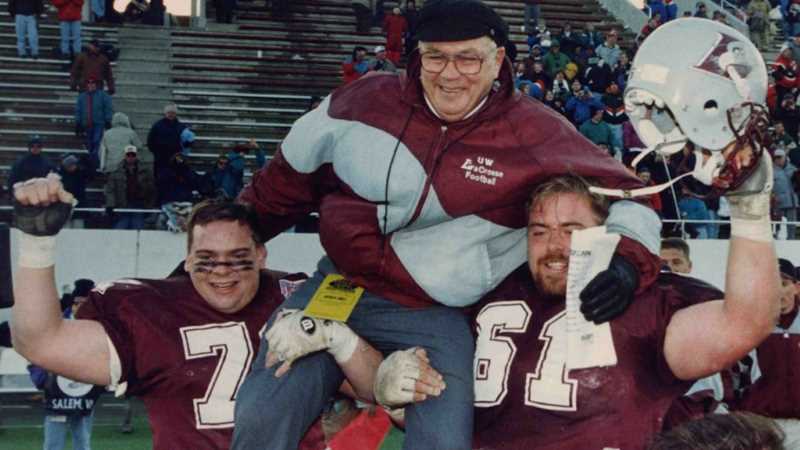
<point x="294" y="335"/>
<point x="750" y="203"/>
<point x="41" y="208"/>
<point x="406" y="377"/>
<point x="610" y="292"/>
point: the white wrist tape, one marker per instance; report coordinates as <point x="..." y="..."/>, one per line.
<point x="36" y="252"/>
<point x="756" y="230"/>
<point x="396" y="378"/>
<point x="343" y="342"/>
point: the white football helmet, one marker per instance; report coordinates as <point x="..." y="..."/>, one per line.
<point x="690" y="80"/>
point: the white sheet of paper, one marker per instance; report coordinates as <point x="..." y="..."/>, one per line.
<point x="588" y="345"/>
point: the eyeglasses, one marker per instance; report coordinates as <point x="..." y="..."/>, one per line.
<point x="435" y="62"/>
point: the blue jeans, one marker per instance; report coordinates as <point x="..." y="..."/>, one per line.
<point x="531" y="17"/>
<point x="55" y="432"/>
<point x="26" y="25"/>
<point x="70" y="33"/>
<point x="274" y="413"/>
<point x="130" y="221"/>
<point x="99" y="8"/>
<point x="94" y="135"/>
<point x="616" y="138"/>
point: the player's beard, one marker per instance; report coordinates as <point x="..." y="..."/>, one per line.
<point x="551" y="285"/>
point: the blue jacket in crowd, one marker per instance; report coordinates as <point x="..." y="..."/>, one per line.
<point x="580" y="109"/>
<point x="102" y="109"/>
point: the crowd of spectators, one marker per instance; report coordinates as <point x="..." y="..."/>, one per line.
<point x="580" y="73"/>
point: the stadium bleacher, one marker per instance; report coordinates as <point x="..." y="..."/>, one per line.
<point x="232" y="82"/>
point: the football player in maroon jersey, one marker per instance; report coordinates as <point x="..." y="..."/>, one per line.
<point x="182" y="344"/>
<point x="526" y="397"/>
<point x="774" y="391"/>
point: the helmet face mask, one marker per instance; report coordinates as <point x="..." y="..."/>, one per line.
<point x="700" y="81"/>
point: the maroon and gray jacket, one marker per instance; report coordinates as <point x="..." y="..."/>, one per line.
<point x="419" y="210"/>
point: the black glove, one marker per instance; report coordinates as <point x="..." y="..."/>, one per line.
<point x="608" y="295"/>
<point x="78" y="130"/>
<point x="41" y="220"/>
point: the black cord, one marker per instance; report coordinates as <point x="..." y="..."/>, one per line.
<point x="389" y="172"/>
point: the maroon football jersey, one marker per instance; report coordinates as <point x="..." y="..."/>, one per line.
<point x="525" y="398"/>
<point x="184" y="359"/>
<point x="776" y="392"/>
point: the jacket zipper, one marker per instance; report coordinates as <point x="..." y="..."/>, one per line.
<point x="439" y="150"/>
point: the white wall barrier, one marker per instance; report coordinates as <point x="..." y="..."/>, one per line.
<point x="112" y="254"/>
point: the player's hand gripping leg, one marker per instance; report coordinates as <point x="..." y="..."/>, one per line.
<point x="294" y="335"/>
<point x="406" y="377"/>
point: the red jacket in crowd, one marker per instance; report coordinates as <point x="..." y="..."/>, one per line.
<point x="785" y="70"/>
<point x="395" y="27"/>
<point x="68" y="10"/>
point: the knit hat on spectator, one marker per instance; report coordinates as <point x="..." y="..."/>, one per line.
<point x="95" y="42"/>
<point x="69" y="160"/>
<point x="82" y="287"/>
<point x="787" y="268"/>
<point x="459" y="20"/>
<point x="779" y="152"/>
<point x="131" y="149"/>
<point x="34" y="140"/>
<point x="171" y="107"/>
<point x="378" y="49"/>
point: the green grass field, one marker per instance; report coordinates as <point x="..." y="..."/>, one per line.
<point x="21" y="418"/>
<point x="105" y="435"/>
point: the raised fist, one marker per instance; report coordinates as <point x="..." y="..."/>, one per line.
<point x="42" y="206"/>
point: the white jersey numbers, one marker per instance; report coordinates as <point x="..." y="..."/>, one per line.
<point x="230" y="343"/>
<point x="548" y="386"/>
<point x="493" y="353"/>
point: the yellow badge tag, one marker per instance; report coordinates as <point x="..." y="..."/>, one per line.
<point x="335" y="299"/>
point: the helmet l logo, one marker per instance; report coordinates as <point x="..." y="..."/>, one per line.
<point x="728" y="52"/>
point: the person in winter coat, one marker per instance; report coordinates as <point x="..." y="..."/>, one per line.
<point x="32" y="165"/>
<point x="177" y="182"/>
<point x="355" y="65"/>
<point x="112" y="146"/>
<point x="579" y="107"/>
<point x="783" y="190"/>
<point x="554" y="60"/>
<point x="130" y="185"/>
<point x="395" y="27"/>
<point x="785" y="72"/>
<point x="758" y="23"/>
<point x="614" y="115"/>
<point x="92" y="64"/>
<point x="609" y="50"/>
<point x="69" y="23"/>
<point x="75" y="175"/>
<point x="25" y="14"/>
<point x="164" y="139"/>
<point x="228" y="173"/>
<point x="69" y="405"/>
<point x="93" y="113"/>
